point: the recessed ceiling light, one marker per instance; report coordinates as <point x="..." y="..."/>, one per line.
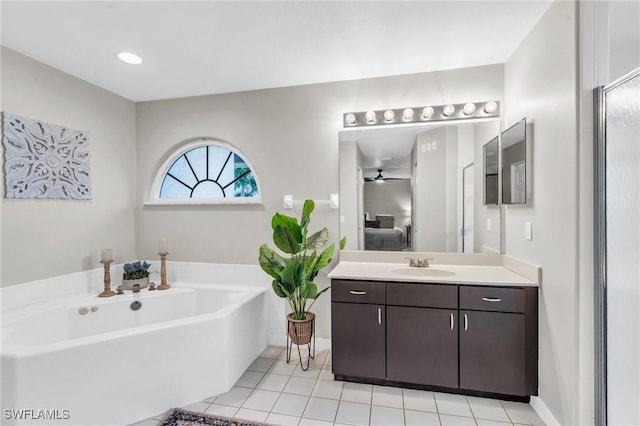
<point x="130" y="58"/>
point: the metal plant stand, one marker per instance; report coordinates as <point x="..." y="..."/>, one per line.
<point x="311" y="345"/>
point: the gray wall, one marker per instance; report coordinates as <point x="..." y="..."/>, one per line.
<point x="291" y="137"/>
<point x="540" y="83"/>
<point x="430" y="223"/>
<point x="46" y="238"/>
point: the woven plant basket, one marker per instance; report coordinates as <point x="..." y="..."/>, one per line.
<point x="300" y="331"/>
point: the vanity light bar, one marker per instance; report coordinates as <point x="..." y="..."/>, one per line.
<point x="422" y="114"/>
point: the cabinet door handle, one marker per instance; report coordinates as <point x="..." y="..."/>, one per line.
<point x="379" y="316"/>
<point x="466" y="322"/>
<point x="357" y="293"/>
<point x="492" y="299"/>
<point x="451" y="321"/>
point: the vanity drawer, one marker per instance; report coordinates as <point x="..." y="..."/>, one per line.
<point x="496" y="299"/>
<point x="357" y="291"/>
<point x="423" y="295"/>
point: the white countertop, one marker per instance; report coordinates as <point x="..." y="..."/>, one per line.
<point x="447" y="274"/>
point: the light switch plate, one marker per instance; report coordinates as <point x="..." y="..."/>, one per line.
<point x="425" y="146"/>
<point x="434" y="145"/>
<point x="488" y="224"/>
<point x="527" y="231"/>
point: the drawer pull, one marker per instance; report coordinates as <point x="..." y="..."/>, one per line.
<point x="492" y="299"/>
<point x="357" y="293"/>
<point x="451" y="321"/>
<point x="466" y="322"/>
<point x="379" y="316"/>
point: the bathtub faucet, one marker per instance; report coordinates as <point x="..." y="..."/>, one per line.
<point x="136" y="288"/>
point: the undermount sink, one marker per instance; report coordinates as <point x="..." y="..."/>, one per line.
<point x="423" y="272"/>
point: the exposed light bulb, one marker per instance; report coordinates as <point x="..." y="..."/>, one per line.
<point x="427" y="112"/>
<point x="469" y="108"/>
<point x="350" y="119"/>
<point x="407" y="114"/>
<point x="389" y="114"/>
<point x="370" y="116"/>
<point x="448" y="110"/>
<point x="130" y="58"/>
<point x="490" y="107"/>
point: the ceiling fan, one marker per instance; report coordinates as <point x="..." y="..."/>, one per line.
<point x="380" y="178"/>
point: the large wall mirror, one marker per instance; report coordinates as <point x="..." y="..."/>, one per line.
<point x="417" y="188"/>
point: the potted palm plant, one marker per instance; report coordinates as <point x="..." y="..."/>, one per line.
<point x="293" y="273"/>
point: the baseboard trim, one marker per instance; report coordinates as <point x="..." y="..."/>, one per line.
<point x="543" y="411"/>
<point x="281" y="340"/>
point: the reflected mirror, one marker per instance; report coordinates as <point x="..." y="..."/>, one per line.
<point x="417" y="188"/>
<point x="514" y="166"/>
<point x="490" y="158"/>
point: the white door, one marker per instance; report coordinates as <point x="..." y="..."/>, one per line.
<point x="467" y="208"/>
<point x="518" y="179"/>
<point x="360" y="209"/>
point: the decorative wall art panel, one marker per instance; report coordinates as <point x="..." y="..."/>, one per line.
<point x="43" y="160"/>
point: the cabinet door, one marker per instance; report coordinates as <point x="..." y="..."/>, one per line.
<point x="492" y="352"/>
<point x="357" y="339"/>
<point x="422" y="346"/>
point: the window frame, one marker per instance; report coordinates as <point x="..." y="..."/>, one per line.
<point x="156" y="185"/>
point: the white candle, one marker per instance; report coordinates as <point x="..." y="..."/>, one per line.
<point x="163" y="246"/>
<point x="106" y="255"/>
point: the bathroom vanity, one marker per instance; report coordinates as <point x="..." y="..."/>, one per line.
<point x="459" y="328"/>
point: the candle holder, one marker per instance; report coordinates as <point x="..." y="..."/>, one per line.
<point x="107" y="279"/>
<point x="163" y="272"/>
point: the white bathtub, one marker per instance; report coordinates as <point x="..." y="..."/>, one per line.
<point x="115" y="366"/>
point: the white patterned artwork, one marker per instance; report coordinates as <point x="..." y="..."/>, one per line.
<point x="43" y="160"/>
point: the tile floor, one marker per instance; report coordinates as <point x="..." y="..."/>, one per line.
<point x="278" y="393"/>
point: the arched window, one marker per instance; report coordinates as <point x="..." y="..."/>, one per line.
<point x="206" y="171"/>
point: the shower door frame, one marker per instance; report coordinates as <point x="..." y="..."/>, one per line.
<point x="600" y="379"/>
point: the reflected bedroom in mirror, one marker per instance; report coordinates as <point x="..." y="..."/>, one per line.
<point x="417" y="188"/>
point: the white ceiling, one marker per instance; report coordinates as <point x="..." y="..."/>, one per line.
<point x="386" y="147"/>
<point x="206" y="47"/>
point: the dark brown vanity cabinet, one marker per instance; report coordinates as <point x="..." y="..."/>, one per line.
<point x="476" y="338"/>
<point x="499" y="339"/>
<point x="422" y="334"/>
<point x="358" y="328"/>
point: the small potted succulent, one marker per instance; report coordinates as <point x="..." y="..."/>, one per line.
<point x="135" y="273"/>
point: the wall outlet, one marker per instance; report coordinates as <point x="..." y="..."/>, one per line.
<point x="287" y="201"/>
<point x="334" y="201"/>
<point x="434" y="145"/>
<point x="527" y="231"/>
<point x="488" y="224"/>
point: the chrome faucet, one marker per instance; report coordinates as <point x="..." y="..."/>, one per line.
<point x="419" y="263"/>
<point x="136" y="288"/>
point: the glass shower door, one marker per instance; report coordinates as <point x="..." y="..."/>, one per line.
<point x="619" y="218"/>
